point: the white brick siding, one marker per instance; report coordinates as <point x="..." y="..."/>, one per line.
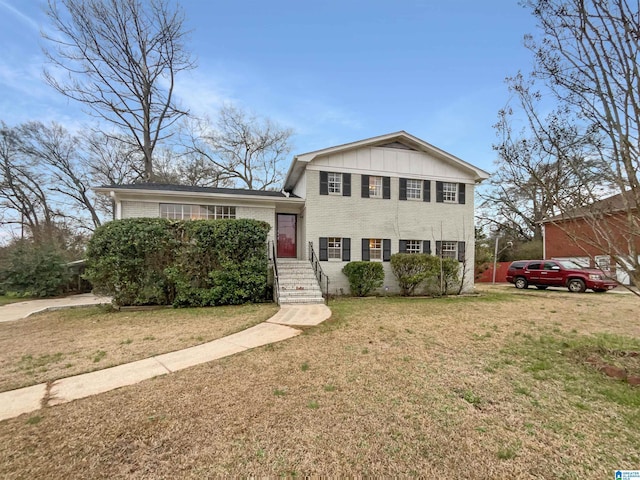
<point x="357" y="218"/>
<point x="265" y="214"/>
<point x="136" y="209"/>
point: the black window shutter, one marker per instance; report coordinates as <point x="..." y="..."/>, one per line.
<point x="323" y="252"/>
<point x="461" y="192"/>
<point x="346" y="184"/>
<point x="403" y="189"/>
<point x="386" y="187"/>
<point x="426" y="194"/>
<point x="324" y="183"/>
<point x="346" y="249"/>
<point x="439" y="192"/>
<point x="426" y="246"/>
<point x="403" y="246"/>
<point x="438" y="248"/>
<point x="365" y="250"/>
<point x="365" y="188"/>
<point x="461" y="251"/>
<point x="386" y="249"/>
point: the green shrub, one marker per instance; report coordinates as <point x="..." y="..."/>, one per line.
<point x="363" y="277"/>
<point x="184" y="263"/>
<point x="446" y="278"/>
<point x="412" y="270"/>
<point x="231" y="266"/>
<point x="33" y="270"/>
<point x="126" y="259"/>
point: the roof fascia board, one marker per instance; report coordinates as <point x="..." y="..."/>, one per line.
<point x="125" y="193"/>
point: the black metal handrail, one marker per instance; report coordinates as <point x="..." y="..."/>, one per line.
<point x="320" y="275"/>
<point x="274" y="263"/>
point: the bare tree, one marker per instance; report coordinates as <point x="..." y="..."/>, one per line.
<point x="23" y="196"/>
<point x="536" y="175"/>
<point x="586" y="61"/>
<point x="111" y="160"/>
<point x="245" y="150"/>
<point x="59" y="154"/>
<point x="186" y="169"/>
<point x="120" y="59"/>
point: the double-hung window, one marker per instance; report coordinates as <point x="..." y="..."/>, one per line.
<point x="334" y="183"/>
<point x="449" y="192"/>
<point x="449" y="250"/>
<point x="375" y="187"/>
<point x="334" y="248"/>
<point x="375" y="249"/>
<point x="413" y="246"/>
<point x="414" y="189"/>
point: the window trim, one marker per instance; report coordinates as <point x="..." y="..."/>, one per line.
<point x="410" y="246"/>
<point x="345" y="249"/>
<point x="333" y="249"/>
<point x="377" y="248"/>
<point x="373" y="192"/>
<point x="228" y="211"/>
<point x="414" y="189"/>
<point x="450" y="192"/>
<point x="339" y="182"/>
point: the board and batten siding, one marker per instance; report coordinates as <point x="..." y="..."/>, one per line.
<point x="392" y="162"/>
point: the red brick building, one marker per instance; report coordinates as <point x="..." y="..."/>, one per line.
<point x="594" y="235"/>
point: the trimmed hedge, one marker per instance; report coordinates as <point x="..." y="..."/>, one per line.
<point x="155" y="261"/>
<point x="221" y="262"/>
<point x="363" y="277"/>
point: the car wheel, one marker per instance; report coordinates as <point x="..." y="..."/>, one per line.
<point x="576" y="285"/>
<point x="521" y="282"/>
<point x="542" y="287"/>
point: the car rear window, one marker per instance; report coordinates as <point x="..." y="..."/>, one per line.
<point x="517" y="265"/>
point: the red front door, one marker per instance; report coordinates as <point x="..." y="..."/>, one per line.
<point x="286" y="235"/>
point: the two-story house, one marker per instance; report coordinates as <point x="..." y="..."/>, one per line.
<point x="360" y="201"/>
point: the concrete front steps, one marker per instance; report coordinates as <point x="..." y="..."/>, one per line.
<point x="297" y="283"/>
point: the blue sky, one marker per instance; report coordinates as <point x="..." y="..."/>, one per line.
<point x="334" y="71"/>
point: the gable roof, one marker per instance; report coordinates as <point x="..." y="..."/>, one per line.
<point x="616" y="203"/>
<point x="399" y="139"/>
<point x="168" y="188"/>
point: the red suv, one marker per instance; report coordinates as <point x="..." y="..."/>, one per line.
<point x="558" y="273"/>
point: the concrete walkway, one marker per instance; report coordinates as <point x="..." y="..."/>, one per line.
<point x="276" y="329"/>
<point x="18" y="310"/>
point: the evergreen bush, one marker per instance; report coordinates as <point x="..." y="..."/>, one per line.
<point x="413" y="269"/>
<point x="363" y="277"/>
<point x="146" y="261"/>
<point x="33" y="270"/>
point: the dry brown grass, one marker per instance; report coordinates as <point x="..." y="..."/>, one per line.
<point x="62" y="343"/>
<point x="482" y="387"/>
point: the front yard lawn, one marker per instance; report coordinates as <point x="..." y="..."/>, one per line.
<point x="62" y="343"/>
<point x="497" y="386"/>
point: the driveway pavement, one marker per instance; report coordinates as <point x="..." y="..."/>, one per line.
<point x="276" y="329"/>
<point x="18" y="310"/>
